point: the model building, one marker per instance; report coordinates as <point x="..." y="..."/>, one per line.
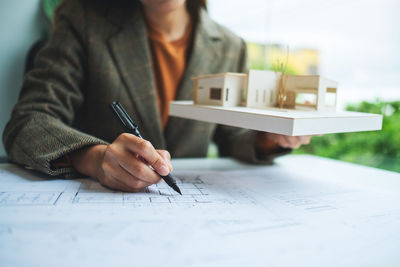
<point x="266" y="89"/>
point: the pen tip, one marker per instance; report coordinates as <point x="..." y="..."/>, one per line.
<point x="176" y="188"/>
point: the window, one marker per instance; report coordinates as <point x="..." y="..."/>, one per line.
<point x="264" y="92"/>
<point x="306" y="99"/>
<point x="215" y="93"/>
<point x="272" y="97"/>
<point x="330" y="97"/>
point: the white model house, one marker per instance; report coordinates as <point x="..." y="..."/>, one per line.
<point x="259" y="89"/>
<point x="223" y="89"/>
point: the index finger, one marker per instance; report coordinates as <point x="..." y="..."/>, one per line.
<point x="146" y="150"/>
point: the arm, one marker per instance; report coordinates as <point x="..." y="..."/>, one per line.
<point x="39" y="130"/>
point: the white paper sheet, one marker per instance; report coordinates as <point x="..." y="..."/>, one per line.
<point x="253" y="217"/>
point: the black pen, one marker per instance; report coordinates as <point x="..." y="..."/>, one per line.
<point x="130" y="127"/>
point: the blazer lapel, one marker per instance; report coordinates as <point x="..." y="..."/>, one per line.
<point x="130" y="49"/>
<point x="204" y="55"/>
<point x="203" y="60"/>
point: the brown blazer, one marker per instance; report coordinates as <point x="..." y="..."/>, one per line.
<point x="99" y="53"/>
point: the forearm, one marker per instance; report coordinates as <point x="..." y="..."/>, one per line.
<point x="37" y="140"/>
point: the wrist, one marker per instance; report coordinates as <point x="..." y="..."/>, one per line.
<point x="87" y="160"/>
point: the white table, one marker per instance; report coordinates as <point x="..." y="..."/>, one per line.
<point x="302" y="211"/>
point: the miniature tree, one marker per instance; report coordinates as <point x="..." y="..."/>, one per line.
<point x="281" y="67"/>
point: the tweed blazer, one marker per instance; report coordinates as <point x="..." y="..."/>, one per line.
<point x="99" y="53"/>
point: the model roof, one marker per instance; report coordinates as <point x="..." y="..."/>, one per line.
<point x="219" y="74"/>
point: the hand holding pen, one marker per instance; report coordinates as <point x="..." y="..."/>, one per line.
<point x="154" y="163"/>
<point x="123" y="165"/>
<point x="119" y="165"/>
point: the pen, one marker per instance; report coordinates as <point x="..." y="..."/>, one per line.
<point x="130" y="127"/>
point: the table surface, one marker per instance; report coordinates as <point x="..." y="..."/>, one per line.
<point x="301" y="211"/>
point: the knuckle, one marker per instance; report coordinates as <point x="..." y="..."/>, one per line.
<point x="110" y="150"/>
<point x="105" y="167"/>
<point x="124" y="137"/>
<point x="157" y="162"/>
<point x="166" y="154"/>
<point x="145" y="145"/>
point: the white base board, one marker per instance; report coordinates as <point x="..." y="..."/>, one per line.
<point x="287" y="122"/>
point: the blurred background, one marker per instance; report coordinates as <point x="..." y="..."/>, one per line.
<point x="353" y="42"/>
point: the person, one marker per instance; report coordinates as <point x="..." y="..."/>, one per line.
<point x="142" y="54"/>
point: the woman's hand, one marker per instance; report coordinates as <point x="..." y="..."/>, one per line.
<point x="284" y="141"/>
<point x="124" y="164"/>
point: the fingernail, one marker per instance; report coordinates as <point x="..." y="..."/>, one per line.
<point x="164" y="170"/>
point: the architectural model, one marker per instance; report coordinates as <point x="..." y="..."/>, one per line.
<point x="272" y="101"/>
<point x="266" y="90"/>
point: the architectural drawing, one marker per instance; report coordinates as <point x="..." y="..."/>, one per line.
<point x="194" y="191"/>
<point x="224" y="218"/>
<point x="28" y="198"/>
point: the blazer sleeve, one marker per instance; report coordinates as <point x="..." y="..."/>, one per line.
<point x="40" y="130"/>
<point x="240" y="143"/>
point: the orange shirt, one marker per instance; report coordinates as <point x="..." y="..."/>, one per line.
<point x="169" y="62"/>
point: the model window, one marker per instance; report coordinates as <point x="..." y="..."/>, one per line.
<point x="330" y="97"/>
<point x="215" y="93"/>
<point x="306" y="99"/>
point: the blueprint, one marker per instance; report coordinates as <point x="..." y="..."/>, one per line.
<point x="244" y="217"/>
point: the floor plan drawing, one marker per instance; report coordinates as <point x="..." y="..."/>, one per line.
<point x="193" y="191"/>
<point x="28" y="198"/>
<point x="230" y="217"/>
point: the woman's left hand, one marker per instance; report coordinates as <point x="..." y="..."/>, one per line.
<point x="285" y="141"/>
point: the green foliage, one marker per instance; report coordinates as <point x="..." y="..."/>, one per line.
<point x="379" y="149"/>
